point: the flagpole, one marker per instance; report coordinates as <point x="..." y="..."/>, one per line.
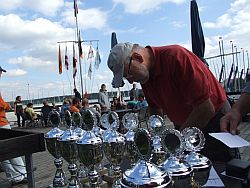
<point x="79" y="43"/>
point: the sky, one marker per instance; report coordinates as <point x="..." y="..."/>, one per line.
<point x="31" y="29"/>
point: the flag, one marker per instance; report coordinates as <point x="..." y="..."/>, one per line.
<point x="80" y="46"/>
<point x="75" y="8"/>
<point x="229" y="77"/>
<point x="97" y="59"/>
<point x="66" y="59"/>
<point x="90" y="71"/>
<point x="60" y="60"/>
<point x="91" y="53"/>
<point x="74" y="62"/>
<point x="1" y="71"/>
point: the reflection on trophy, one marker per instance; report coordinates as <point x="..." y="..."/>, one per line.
<point x="69" y="151"/>
<point x="114" y="146"/>
<point x="90" y="148"/>
<point x="130" y="122"/>
<point x="194" y="141"/>
<point x="52" y="144"/>
<point x="180" y="172"/>
<point x="156" y="126"/>
<point x="144" y="173"/>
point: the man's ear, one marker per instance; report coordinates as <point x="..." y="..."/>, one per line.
<point x="136" y="56"/>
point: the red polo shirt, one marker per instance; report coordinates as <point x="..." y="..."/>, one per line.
<point x="180" y="82"/>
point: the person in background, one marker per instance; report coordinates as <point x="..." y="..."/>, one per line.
<point x="132" y="102"/>
<point x="77" y="94"/>
<point x="116" y="104"/>
<point x="85" y="103"/>
<point x="45" y="110"/>
<point x="142" y="103"/>
<point x="134" y="91"/>
<point x="177" y="83"/>
<point x="65" y="106"/>
<point x="76" y="105"/>
<point x="30" y="111"/>
<point x="14" y="169"/>
<point x="103" y="99"/>
<point x="19" y="111"/>
<point x="241" y="107"/>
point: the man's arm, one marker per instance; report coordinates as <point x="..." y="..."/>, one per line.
<point x="231" y="120"/>
<point x="200" y="115"/>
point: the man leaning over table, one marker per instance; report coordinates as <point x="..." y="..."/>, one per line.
<point x="176" y="83"/>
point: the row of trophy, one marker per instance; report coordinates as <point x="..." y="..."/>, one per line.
<point x="159" y="157"/>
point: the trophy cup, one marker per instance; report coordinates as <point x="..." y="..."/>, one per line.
<point x="90" y="148"/>
<point x="96" y="128"/>
<point x="194" y="141"/>
<point x="77" y="122"/>
<point x="114" y="146"/>
<point x="181" y="172"/>
<point x="130" y="121"/>
<point x="69" y="151"/>
<point x="52" y="144"/>
<point x="144" y="173"/>
<point x="156" y="126"/>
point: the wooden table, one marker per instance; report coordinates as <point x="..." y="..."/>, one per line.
<point x="20" y="143"/>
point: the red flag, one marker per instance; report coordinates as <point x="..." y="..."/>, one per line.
<point x="60" y="60"/>
<point x="75" y="8"/>
<point x="66" y="59"/>
<point x="74" y="62"/>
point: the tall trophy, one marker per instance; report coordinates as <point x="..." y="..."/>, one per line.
<point x="194" y="141"/>
<point x="144" y="173"/>
<point x="69" y="151"/>
<point x="90" y="148"/>
<point x="52" y="144"/>
<point x="114" y="147"/>
<point x="130" y="122"/>
<point x="77" y="123"/>
<point x="181" y="172"/>
<point x="156" y="126"/>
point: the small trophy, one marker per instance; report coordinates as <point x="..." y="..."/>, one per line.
<point x="181" y="172"/>
<point x="69" y="151"/>
<point x="90" y="148"/>
<point x="114" y="146"/>
<point x="144" y="173"/>
<point x="130" y="122"/>
<point x="52" y="144"/>
<point x="194" y="141"/>
<point x="156" y="126"/>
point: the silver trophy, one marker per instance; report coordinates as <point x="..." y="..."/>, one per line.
<point x="52" y="144"/>
<point x="194" y="141"/>
<point x="77" y="123"/>
<point x="144" y="173"/>
<point x="114" y="146"/>
<point x="181" y="172"/>
<point x="130" y="122"/>
<point x="89" y="147"/>
<point x="69" y="151"/>
<point x="156" y="126"/>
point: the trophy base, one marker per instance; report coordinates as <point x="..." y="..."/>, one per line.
<point x="104" y="184"/>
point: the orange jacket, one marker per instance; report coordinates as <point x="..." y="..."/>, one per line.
<point x="3" y="106"/>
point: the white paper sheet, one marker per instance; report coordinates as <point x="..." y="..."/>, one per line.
<point x="213" y="179"/>
<point x="232" y="141"/>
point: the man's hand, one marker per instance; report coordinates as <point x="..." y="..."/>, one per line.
<point x="230" y="121"/>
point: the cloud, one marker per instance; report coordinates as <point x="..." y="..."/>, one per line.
<point x="16" y="72"/>
<point x="142" y="6"/>
<point x="92" y="18"/>
<point x="178" y="24"/>
<point x="25" y="62"/>
<point x="221" y="22"/>
<point x="45" y="7"/>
